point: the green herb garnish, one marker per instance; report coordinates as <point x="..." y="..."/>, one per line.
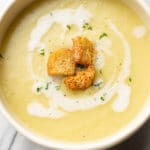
<point x="47" y="86"/>
<point x="1" y="56"/>
<point x="68" y="27"/>
<point x="130" y="79"/>
<point x="100" y="72"/>
<point x="42" y="52"/>
<point x="103" y="35"/>
<point x="97" y="84"/>
<point x="57" y="87"/>
<point x="102" y="98"/>
<point x="38" y="89"/>
<point x="87" y="26"/>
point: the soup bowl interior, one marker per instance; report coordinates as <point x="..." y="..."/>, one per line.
<point x="15" y="7"/>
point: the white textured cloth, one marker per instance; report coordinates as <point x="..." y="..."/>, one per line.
<point x="10" y="139"/>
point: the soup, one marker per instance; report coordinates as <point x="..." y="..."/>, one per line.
<point x="42" y="103"/>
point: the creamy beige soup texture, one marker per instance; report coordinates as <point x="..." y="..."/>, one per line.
<point x="42" y="103"/>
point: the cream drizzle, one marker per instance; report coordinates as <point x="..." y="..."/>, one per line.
<point x="70" y="16"/>
<point x="104" y="45"/>
<point x="139" y="31"/>
<point x="37" y="109"/>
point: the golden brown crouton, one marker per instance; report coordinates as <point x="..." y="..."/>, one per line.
<point x="61" y="62"/>
<point x="83" y="51"/>
<point x="82" y="80"/>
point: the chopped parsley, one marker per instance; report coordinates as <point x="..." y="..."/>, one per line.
<point x="103" y="35"/>
<point x="42" y="52"/>
<point x="47" y="86"/>
<point x="57" y="87"/>
<point x="1" y="56"/>
<point x="38" y="89"/>
<point x="97" y="84"/>
<point x="130" y="79"/>
<point x="87" y="26"/>
<point x="100" y="72"/>
<point x="68" y="27"/>
<point x="102" y="98"/>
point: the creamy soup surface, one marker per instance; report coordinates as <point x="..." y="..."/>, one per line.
<point x="43" y="103"/>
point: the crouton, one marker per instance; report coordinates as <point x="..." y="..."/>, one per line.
<point x="83" y="51"/>
<point x="82" y="80"/>
<point x="61" y="62"/>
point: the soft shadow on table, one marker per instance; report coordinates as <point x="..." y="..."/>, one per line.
<point x="139" y="141"/>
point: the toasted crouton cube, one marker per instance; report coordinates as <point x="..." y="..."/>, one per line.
<point x="82" y="80"/>
<point x="83" y="51"/>
<point x="61" y="62"/>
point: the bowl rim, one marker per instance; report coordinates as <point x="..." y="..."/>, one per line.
<point x="107" y="142"/>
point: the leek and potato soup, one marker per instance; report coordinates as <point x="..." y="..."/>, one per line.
<point x="75" y="71"/>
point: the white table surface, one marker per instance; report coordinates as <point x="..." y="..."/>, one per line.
<point x="10" y="139"/>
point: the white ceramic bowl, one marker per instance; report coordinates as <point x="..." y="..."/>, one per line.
<point x="14" y="7"/>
